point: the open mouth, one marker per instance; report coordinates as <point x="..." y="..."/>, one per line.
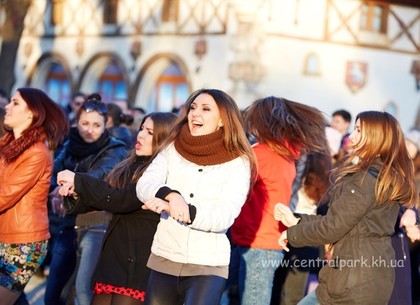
<point x="197" y="124"/>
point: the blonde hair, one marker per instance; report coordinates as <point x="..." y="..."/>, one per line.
<point x="381" y="137"/>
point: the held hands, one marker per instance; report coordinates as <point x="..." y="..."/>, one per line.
<point x="176" y="207"/>
<point x="284" y="214"/>
<point x="283" y="241"/>
<point x="65" y="179"/>
<point x="156" y="205"/>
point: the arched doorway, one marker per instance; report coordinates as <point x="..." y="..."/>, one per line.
<point x="52" y="75"/>
<point x="107" y="75"/>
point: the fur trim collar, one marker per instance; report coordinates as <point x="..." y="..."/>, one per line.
<point x="11" y="148"/>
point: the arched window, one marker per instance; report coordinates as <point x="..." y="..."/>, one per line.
<point x="111" y="84"/>
<point x="171" y="89"/>
<point x="312" y="65"/>
<point x="57" y="84"/>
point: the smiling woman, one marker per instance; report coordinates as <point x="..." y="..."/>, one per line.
<point x="204" y="116"/>
<point x="33" y="120"/>
<point x="189" y="184"/>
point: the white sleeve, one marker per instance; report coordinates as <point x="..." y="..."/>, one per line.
<point x="153" y="178"/>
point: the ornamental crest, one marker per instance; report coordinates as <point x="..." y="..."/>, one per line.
<point x="356" y="75"/>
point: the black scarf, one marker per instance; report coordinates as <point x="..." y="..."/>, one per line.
<point x="139" y="161"/>
<point x="80" y="149"/>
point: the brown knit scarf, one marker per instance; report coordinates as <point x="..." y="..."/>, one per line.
<point x="203" y="150"/>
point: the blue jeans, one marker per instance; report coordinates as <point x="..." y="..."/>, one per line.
<point x="256" y="273"/>
<point x="90" y="246"/>
<point x="310" y="299"/>
<point x="62" y="266"/>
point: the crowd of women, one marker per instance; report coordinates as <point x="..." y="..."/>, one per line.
<point x="193" y="209"/>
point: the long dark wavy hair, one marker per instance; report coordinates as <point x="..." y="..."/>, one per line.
<point x="289" y="128"/>
<point x="163" y="123"/>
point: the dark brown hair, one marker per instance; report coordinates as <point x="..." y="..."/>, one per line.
<point x="2" y="130"/>
<point x="163" y="123"/>
<point x="316" y="177"/>
<point x="93" y="103"/>
<point x="46" y="114"/>
<point x="287" y="127"/>
<point x="118" y="117"/>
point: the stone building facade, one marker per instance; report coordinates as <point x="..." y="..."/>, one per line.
<point x="352" y="54"/>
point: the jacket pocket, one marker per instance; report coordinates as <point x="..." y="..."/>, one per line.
<point x="336" y="280"/>
<point x="345" y="274"/>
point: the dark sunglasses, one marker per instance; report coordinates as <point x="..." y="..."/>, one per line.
<point x="95" y="105"/>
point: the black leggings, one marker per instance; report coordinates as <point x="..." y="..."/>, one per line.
<point x="165" y="289"/>
<point x="114" y="299"/>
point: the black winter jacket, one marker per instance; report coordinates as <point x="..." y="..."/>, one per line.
<point x="128" y="241"/>
<point x="97" y="165"/>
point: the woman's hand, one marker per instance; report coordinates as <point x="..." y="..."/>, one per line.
<point x="178" y="207"/>
<point x="413" y="232"/>
<point x="156" y="205"/>
<point x="65" y="179"/>
<point x="175" y="206"/>
<point x="65" y="176"/>
<point x="284" y="214"/>
<point x="408" y="219"/>
<point x="283" y="241"/>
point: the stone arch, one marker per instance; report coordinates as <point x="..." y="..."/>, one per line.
<point x="38" y="76"/>
<point x="95" y="67"/>
<point x="145" y="82"/>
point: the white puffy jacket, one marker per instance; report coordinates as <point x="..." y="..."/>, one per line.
<point x="217" y="191"/>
